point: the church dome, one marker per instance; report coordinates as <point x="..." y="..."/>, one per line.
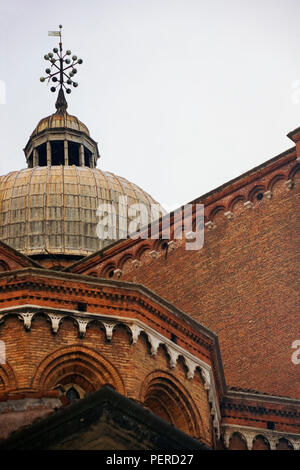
<point x="53" y="209"/>
<point x="57" y="121"/>
<point x="55" y="206"/>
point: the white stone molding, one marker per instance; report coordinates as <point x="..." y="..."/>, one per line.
<point x="228" y="214"/>
<point x="289" y="184"/>
<point x="210" y="225"/>
<point x="135" y="332"/>
<point x="55" y="321"/>
<point x="172" y="245"/>
<point x="118" y="273"/>
<point x="249" y="439"/>
<point x="226" y="437"/>
<point x="206" y="378"/>
<point x="135" y="326"/>
<point x="248" y="204"/>
<point x="295" y="444"/>
<point x="173" y="356"/>
<point x="191" y="365"/>
<point x="27" y="319"/>
<point x="136" y="263"/>
<point x="273" y="441"/>
<point x="155" y="342"/>
<point x="272" y="436"/>
<point x="268" y="194"/>
<point x="154" y="254"/>
<point x="82" y="325"/>
<point x="109" y="327"/>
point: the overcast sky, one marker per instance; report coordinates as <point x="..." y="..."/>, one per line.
<point x="181" y="95"/>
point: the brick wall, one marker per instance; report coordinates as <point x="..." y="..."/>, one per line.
<point x="244" y="285"/>
<point x="39" y="360"/>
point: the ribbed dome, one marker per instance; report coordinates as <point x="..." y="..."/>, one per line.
<point x="57" y="121"/>
<point x="53" y="209"/>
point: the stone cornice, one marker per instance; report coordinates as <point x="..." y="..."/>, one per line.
<point x="239" y="187"/>
<point x="264" y="408"/>
<point x="38" y="275"/>
<point x="135" y="327"/>
<point x="136" y="295"/>
<point x="260" y="397"/>
<point x="249" y="176"/>
<point x="249" y="433"/>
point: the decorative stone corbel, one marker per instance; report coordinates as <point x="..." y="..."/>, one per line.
<point x="295" y="444"/>
<point x="206" y="378"/>
<point x="155" y="342"/>
<point x="191" y="365"/>
<point x="109" y="330"/>
<point x="55" y="320"/>
<point x="82" y="325"/>
<point x="226" y="437"/>
<point x="273" y="441"/>
<point x="135" y="332"/>
<point x="172" y="245"/>
<point x="248" y="204"/>
<point x="154" y="254"/>
<point x="27" y="318"/>
<point x="268" y="194"/>
<point x="210" y="225"/>
<point x="136" y="263"/>
<point x="228" y="214"/>
<point x="173" y="354"/>
<point x="249" y="439"/>
<point x="289" y="184"/>
<point x="118" y="273"/>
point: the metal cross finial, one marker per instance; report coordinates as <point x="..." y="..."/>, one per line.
<point x="62" y="63"/>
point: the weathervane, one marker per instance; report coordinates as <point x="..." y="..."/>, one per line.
<point x="62" y="63"/>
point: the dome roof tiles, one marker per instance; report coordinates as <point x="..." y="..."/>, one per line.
<point x="53" y="209"/>
<point x="57" y="121"/>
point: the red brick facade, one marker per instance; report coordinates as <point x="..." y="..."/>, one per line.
<point x="202" y="338"/>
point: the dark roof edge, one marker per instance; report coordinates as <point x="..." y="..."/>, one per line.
<point x="244" y="175"/>
<point x="259" y="396"/>
<point x="33" y="435"/>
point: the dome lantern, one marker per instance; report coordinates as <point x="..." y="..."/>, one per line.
<point x="51" y="210"/>
<point x="61" y="139"/>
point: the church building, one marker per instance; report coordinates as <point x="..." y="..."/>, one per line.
<point x="139" y="342"/>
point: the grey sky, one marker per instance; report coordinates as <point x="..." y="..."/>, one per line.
<point x="182" y="95"/>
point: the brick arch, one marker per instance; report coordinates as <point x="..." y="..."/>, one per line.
<point x="124" y="260"/>
<point x="237" y="203"/>
<point x="107" y="269"/>
<point x="237" y="442"/>
<point x="143" y="249"/>
<point x="76" y="364"/>
<point x="92" y="273"/>
<point x="216" y="213"/>
<point x="295" y="173"/>
<point x="284" y="444"/>
<point x="159" y="243"/>
<point x="255" y="191"/>
<point x="4" y="266"/>
<point x="8" y="380"/>
<point x="260" y="443"/>
<point x="166" y="397"/>
<point x="275" y="181"/>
